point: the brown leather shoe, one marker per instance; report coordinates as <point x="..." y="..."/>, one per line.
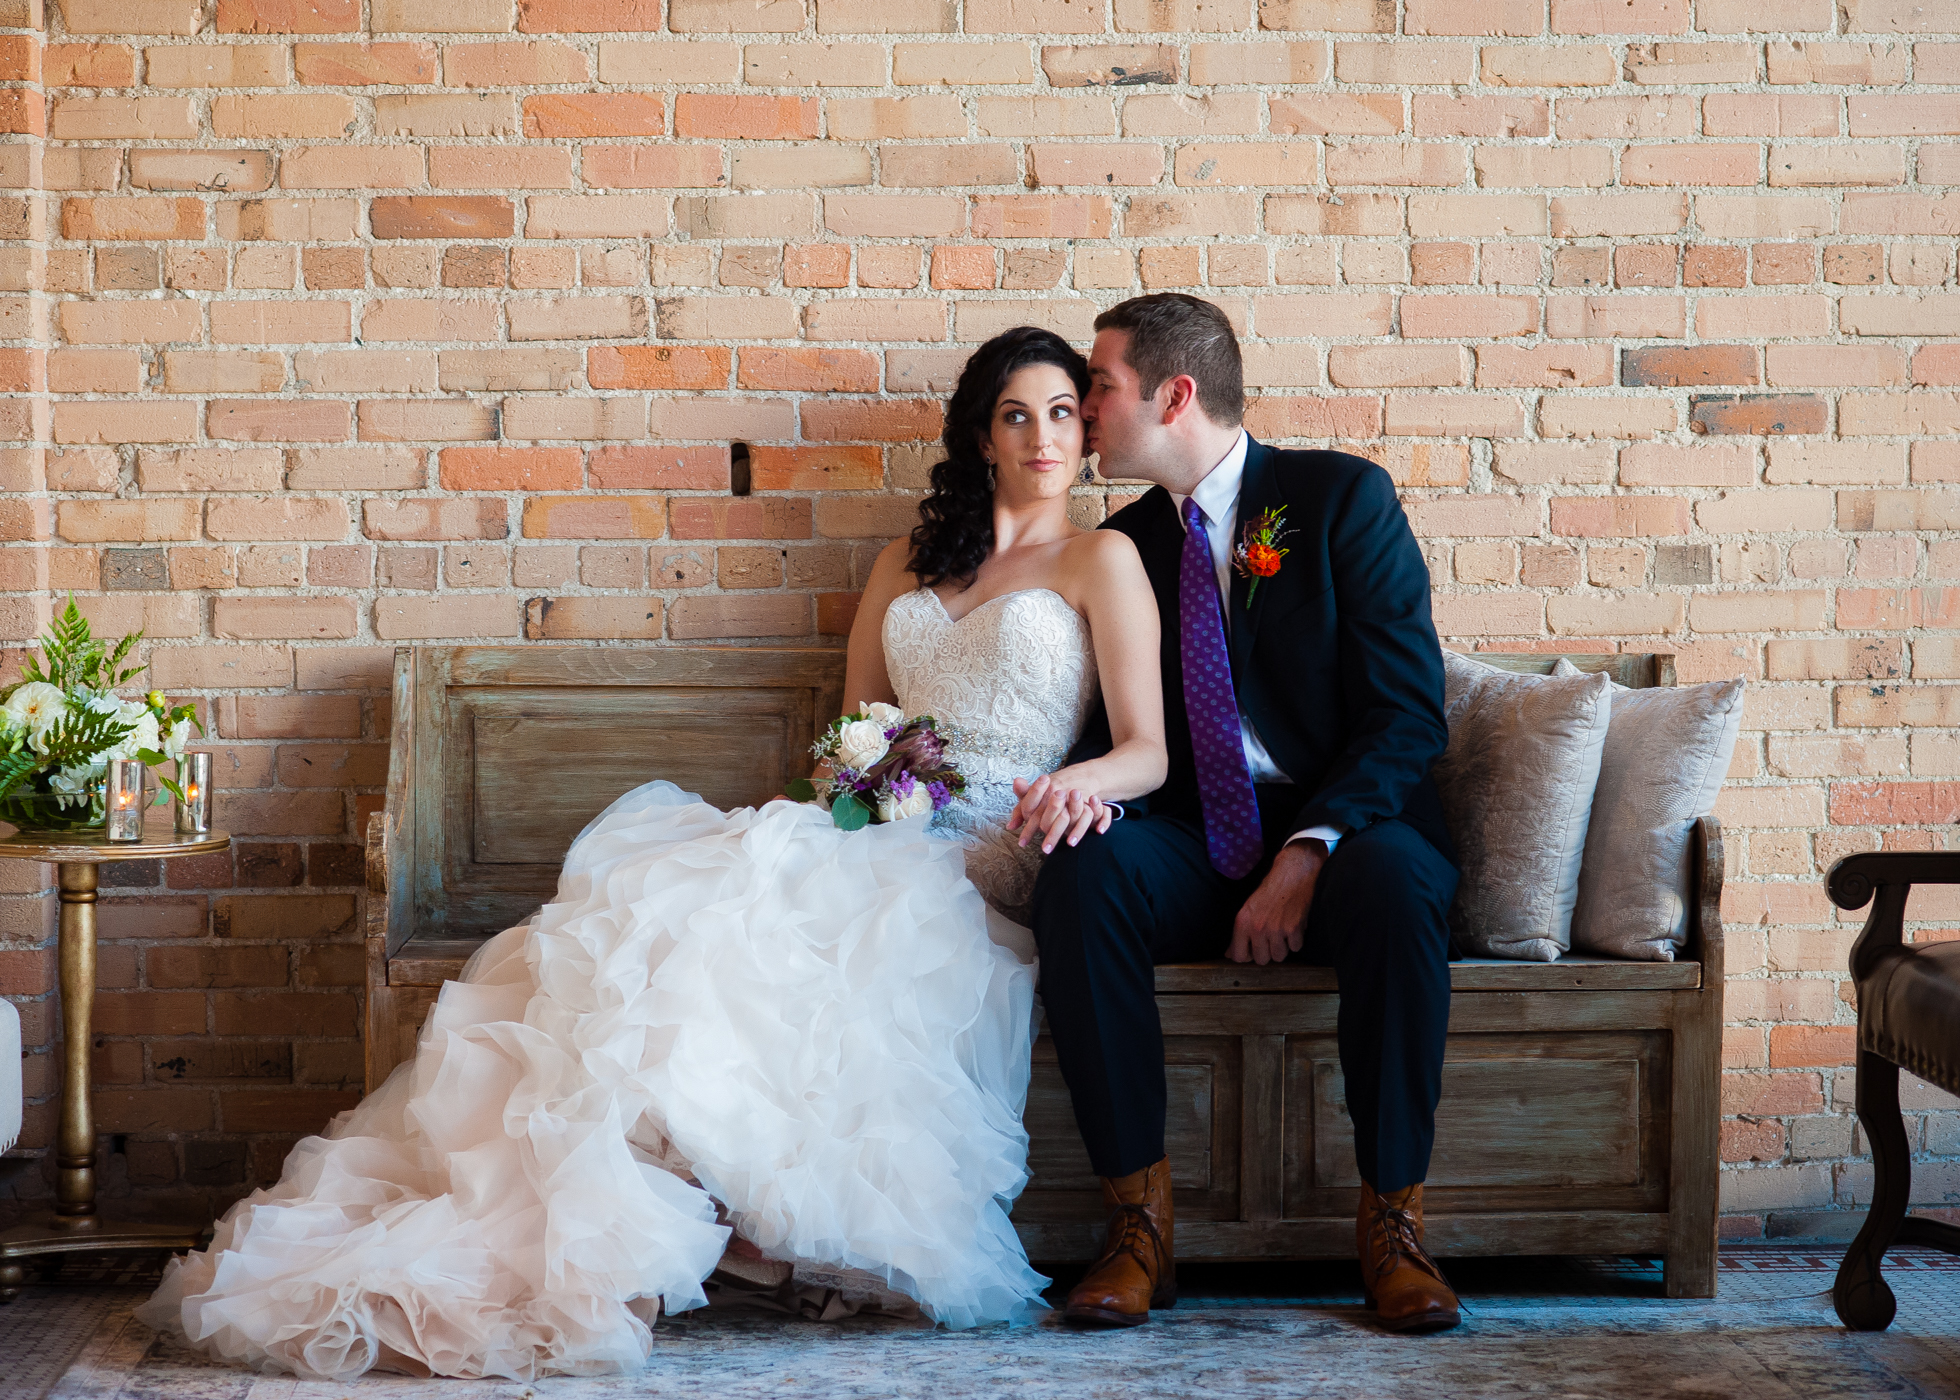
<point x="1402" y="1283"/>
<point x="1137" y="1270"/>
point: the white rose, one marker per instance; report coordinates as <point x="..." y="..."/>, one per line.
<point x="861" y="743"/>
<point x="143" y="736"/>
<point x="917" y="805"/>
<point x="887" y="715"/>
<point x="177" y="738"/>
<point x="37" y="705"/>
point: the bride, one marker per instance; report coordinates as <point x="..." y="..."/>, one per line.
<point x="746" y="1020"/>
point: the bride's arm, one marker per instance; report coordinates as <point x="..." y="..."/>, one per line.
<point x="865" y="677"/>
<point x="1113" y="592"/>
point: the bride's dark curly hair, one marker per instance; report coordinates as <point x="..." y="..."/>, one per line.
<point x="956" y="521"/>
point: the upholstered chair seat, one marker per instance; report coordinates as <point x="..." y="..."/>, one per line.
<point x="1909" y="1011"/>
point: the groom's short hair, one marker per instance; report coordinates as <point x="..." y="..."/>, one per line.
<point x="1172" y="334"/>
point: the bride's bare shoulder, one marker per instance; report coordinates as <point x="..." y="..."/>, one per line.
<point x="891" y="572"/>
<point x="1101" y="568"/>
<point x="1103" y="552"/>
<point x="891" y="579"/>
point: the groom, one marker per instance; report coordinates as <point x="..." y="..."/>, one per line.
<point x="1298" y="818"/>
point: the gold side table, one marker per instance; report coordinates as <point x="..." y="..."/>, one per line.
<point x="75" y="1227"/>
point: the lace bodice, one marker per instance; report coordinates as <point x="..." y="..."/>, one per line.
<point x="1010" y="684"/>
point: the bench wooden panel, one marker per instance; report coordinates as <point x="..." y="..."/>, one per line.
<point x="1579" y="1112"/>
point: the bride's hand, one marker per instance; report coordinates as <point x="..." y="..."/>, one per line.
<point x="1034" y="795"/>
<point x="1057" y="813"/>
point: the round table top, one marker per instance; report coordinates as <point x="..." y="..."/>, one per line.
<point x="160" y="840"/>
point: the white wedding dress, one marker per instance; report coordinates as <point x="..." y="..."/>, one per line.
<point x="828" y="1032"/>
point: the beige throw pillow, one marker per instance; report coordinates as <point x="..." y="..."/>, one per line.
<point x="1517" y="782"/>
<point x="1667" y="751"/>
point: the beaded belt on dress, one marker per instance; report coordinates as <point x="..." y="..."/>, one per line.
<point x="1035" y="758"/>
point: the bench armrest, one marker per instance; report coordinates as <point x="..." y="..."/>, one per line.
<point x="1884" y="879"/>
<point x="377" y="853"/>
<point x="1708" y="866"/>
<point x="377" y="884"/>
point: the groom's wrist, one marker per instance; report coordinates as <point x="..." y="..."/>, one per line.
<point x="1325" y="838"/>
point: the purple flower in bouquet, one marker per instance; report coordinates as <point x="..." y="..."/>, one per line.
<point x="919" y="747"/>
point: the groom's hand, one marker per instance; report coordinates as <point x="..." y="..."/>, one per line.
<point x="1274" y="921"/>
<point x="1049" y="813"/>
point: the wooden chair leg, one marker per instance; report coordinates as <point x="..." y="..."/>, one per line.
<point x="1863" y="1299"/>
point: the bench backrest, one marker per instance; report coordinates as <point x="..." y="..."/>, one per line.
<point x="500" y="755"/>
<point x="1634" y="669"/>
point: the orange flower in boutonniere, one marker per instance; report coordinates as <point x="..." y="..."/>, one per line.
<point x="1259" y="552"/>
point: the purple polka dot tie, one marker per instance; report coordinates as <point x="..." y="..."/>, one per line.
<point x="1232" y="835"/>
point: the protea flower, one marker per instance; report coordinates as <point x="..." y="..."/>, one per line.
<point x="919" y="748"/>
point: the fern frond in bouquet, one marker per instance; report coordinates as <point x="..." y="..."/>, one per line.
<point x="81" y="733"/>
<point x="77" y="661"/>
<point x="883" y="767"/>
<point x="16" y="768"/>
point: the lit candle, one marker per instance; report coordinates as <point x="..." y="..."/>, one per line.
<point x="194" y="807"/>
<point x="124" y="799"/>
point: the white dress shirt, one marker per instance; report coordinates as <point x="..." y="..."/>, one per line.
<point x="1218" y="499"/>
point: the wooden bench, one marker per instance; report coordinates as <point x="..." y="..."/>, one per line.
<point x="1579" y="1111"/>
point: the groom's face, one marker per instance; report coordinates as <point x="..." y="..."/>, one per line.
<point x="1123" y="425"/>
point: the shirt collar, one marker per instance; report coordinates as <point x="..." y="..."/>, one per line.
<point x="1218" y="494"/>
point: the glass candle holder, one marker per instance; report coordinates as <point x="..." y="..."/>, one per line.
<point x="194" y="807"/>
<point x="122" y="799"/>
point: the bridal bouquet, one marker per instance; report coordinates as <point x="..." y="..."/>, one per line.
<point x="60" y="727"/>
<point x="884" y="767"/>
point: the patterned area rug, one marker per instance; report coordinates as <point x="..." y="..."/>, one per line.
<point x="1597" y="1328"/>
<point x="44" y="1329"/>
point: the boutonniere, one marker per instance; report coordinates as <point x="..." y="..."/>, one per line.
<point x="1259" y="552"/>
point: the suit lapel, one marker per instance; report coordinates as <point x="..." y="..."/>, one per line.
<point x="1258" y="492"/>
<point x="1159" y="538"/>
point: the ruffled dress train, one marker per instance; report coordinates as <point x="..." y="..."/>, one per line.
<point x="825" y="1035"/>
<point x="801" y="1021"/>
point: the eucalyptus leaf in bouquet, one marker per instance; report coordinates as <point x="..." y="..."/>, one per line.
<point x="882" y="767"/>
<point x="62" y="722"/>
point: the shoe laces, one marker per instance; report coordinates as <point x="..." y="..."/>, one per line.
<point x="1129" y="1225"/>
<point x="1395" y="1233"/>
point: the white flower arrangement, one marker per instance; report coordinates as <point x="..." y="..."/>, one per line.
<point x="60" y="727"/>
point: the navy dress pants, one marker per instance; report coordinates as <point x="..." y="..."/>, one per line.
<point x="1108" y="911"/>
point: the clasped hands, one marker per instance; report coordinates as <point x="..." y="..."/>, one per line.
<point x="1054" y="813"/>
<point x="1270" y="924"/>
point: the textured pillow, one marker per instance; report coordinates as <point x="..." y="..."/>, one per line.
<point x="1667" y="751"/>
<point x="1517" y="782"/>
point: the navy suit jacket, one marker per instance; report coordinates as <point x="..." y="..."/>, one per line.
<point x="1335" y="658"/>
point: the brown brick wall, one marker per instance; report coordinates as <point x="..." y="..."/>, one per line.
<point x="325" y="329"/>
